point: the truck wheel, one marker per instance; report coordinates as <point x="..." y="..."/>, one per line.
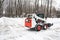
<point x="45" y="27"/>
<point x="38" y="28"/>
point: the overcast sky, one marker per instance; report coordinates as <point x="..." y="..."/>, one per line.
<point x="57" y="4"/>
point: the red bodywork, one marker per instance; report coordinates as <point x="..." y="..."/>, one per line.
<point x="28" y="22"/>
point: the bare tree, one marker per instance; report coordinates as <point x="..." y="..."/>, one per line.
<point x="25" y="7"/>
<point x="36" y="5"/>
<point x="1" y="8"/>
<point x="47" y="7"/>
<point x="50" y="7"/>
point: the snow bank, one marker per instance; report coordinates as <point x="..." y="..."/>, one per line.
<point x="13" y="29"/>
<point x="55" y="21"/>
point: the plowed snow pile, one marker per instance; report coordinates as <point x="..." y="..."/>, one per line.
<point x="13" y="29"/>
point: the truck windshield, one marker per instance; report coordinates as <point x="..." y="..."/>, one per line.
<point x="40" y="15"/>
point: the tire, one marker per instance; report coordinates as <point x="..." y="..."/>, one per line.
<point x="38" y="28"/>
<point x="45" y="27"/>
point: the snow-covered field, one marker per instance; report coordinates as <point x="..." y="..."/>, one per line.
<point x="13" y="29"/>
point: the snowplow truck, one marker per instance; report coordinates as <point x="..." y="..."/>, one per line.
<point x="37" y="21"/>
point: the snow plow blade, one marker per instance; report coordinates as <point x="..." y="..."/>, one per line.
<point x="49" y="24"/>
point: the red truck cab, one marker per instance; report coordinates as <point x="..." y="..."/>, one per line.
<point x="28" y="22"/>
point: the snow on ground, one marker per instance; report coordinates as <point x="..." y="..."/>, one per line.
<point x="13" y="29"/>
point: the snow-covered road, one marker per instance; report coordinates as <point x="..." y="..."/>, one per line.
<point x="13" y="29"/>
